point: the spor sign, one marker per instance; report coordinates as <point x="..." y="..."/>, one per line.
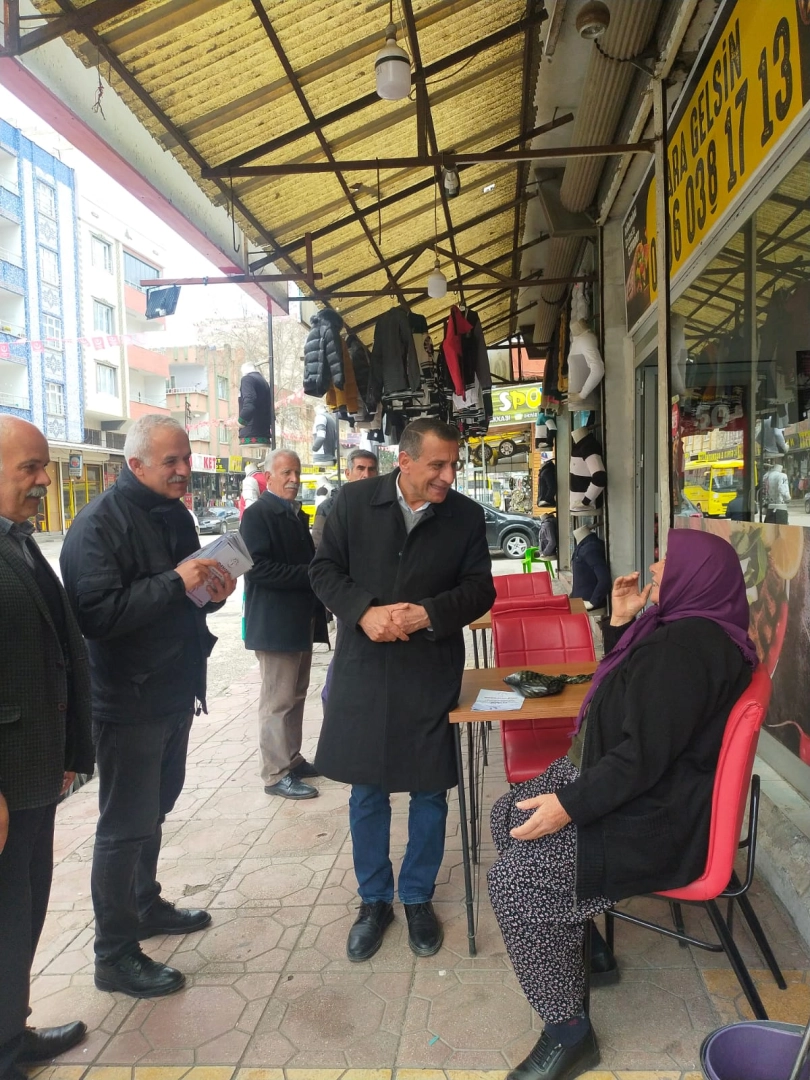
<point x="516" y="402"/>
<point x="745" y="94"/>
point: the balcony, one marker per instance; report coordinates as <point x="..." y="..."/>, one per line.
<point x="137" y="409"/>
<point x="14" y="401"/>
<point x="154" y="363"/>
<point x="176" y="397"/>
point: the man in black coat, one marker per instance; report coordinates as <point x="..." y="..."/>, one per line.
<point x="44" y="738"/>
<point x="404" y="565"/>
<point x="282" y="619"/>
<point x="124" y="572"/>
<point x="360" y="465"/>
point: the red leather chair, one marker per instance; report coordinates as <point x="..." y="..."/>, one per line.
<point x="526" y="638"/>
<point x="719" y="881"/>
<point x="513" y="591"/>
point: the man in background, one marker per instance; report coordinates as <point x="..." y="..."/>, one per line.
<point x="282" y="620"/>
<point x="45" y="738"/>
<point x="360" y="465"/>
<point x="124" y="572"/>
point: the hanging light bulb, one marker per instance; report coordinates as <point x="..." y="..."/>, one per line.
<point x="437" y="282"/>
<point x="392" y="68"/>
<point x="451" y="181"/>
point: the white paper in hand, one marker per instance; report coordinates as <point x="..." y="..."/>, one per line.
<point x="231" y="554"/>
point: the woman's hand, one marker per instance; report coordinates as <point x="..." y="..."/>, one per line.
<point x="626" y="601"/>
<point x="548" y="817"/>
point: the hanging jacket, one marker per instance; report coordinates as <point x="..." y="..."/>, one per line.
<point x="452" y="348"/>
<point x="548" y="535"/>
<point x="590" y="571"/>
<point x="361" y="362"/>
<point x="394" y="367"/>
<point x="348" y="398"/>
<point x="323" y="354"/>
<point x="547" y="485"/>
<point x="255" y="408"/>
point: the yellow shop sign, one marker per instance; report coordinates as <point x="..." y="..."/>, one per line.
<point x="516" y="402"/>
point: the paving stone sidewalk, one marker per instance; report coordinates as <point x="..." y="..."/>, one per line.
<point x="269" y="985"/>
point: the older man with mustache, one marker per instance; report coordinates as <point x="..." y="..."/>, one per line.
<point x="124" y="572"/>
<point x="44" y="738"/>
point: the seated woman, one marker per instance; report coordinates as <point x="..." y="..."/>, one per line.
<point x="634" y="817"/>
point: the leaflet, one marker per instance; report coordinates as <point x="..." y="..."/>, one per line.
<point x="231" y="554"/>
<point x="497" y="701"/>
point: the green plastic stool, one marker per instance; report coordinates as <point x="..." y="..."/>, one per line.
<point x="532" y="556"/>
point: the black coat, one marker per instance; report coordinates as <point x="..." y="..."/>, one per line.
<point x="642" y="804"/>
<point x="385" y="720"/>
<point x="280" y="606"/>
<point x="394" y="364"/>
<point x="148" y="642"/>
<point x="361" y="362"/>
<point x="255" y="408"/>
<point x="323" y="354"/>
<point x="44" y="690"/>
<point x="589" y="568"/>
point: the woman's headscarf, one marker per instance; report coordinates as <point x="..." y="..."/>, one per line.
<point x="702" y="579"/>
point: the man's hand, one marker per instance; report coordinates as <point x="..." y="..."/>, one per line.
<point x="626" y="601"/>
<point x="198" y="572"/>
<point x="548" y="817"/>
<point x="3" y="822"/>
<point x="67" y="780"/>
<point x="409" y="617"/>
<point x="378" y="625"/>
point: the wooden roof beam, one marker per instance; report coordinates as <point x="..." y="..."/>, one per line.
<point x="79" y="20"/>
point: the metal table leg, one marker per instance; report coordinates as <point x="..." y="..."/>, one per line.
<point x="475" y="647"/>
<point x="465" y="846"/>
<point x="473" y="795"/>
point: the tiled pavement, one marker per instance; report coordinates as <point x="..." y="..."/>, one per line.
<point x="269" y="985"/>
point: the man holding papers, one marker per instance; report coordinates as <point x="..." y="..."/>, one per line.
<point x="282" y="619"/>
<point x="123" y="569"/>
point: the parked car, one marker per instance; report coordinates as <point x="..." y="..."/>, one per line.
<point x="508" y="447"/>
<point x="218" y="519"/>
<point x="511" y="533"/>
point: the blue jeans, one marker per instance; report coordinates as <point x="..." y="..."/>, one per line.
<point x="370" y="824"/>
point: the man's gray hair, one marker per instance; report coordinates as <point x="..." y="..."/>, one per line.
<point x="359" y="452"/>
<point x="410" y="441"/>
<point x="138" y="443"/>
<point x="273" y="455"/>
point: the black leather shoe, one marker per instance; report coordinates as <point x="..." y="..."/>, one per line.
<point x="165" y="918"/>
<point x="366" y="934"/>
<point x="139" y="976"/>
<point x="290" y="787"/>
<point x="425" y="935"/>
<point x="42" y="1044"/>
<point x="305" y="771"/>
<point x="549" y="1060"/>
<point x="604" y="969"/>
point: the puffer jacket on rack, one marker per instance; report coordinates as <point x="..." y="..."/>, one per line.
<point x="323" y="354"/>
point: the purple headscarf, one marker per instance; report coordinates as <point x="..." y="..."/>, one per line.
<point x="703" y="579"/>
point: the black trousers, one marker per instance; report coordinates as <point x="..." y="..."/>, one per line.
<point x="141" y="769"/>
<point x="26" y="869"/>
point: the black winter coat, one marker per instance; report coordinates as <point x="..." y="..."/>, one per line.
<point x="44" y="690"/>
<point x="385" y="720"/>
<point x="255" y="408"/>
<point x="323" y="354"/>
<point x="361" y="361"/>
<point x="642" y="804"/>
<point x="394" y="364"/>
<point x="589" y="568"/>
<point x="148" y="643"/>
<point x="281" y="610"/>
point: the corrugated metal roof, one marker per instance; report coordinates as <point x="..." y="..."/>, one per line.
<point x="217" y="89"/>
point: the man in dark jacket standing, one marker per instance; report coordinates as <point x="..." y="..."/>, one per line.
<point x="44" y="738"/>
<point x="122" y="564"/>
<point x="282" y="619"/>
<point x="360" y="465"/>
<point x="404" y="565"/>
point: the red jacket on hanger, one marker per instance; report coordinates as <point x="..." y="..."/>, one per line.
<point x="456" y="326"/>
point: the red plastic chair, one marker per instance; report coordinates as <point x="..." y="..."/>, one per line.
<point x="514" y="591"/>
<point x="524" y="638"/>
<point x="719" y="881"/>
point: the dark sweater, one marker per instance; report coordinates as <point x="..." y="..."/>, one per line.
<point x="642" y="804"/>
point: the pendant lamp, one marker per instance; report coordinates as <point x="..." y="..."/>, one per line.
<point x="392" y="68"/>
<point x="437" y="282"/>
<point x="451" y="181"/>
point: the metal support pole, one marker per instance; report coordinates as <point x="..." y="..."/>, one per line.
<point x="271" y="373"/>
<point x="665" y="516"/>
<point x="750" y="346"/>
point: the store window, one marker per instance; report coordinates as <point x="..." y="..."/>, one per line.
<point x="101" y="253"/>
<point x="49" y="266"/>
<point x="106" y="380"/>
<point x="103" y="318"/>
<point x="46" y="199"/>
<point x="55" y="399"/>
